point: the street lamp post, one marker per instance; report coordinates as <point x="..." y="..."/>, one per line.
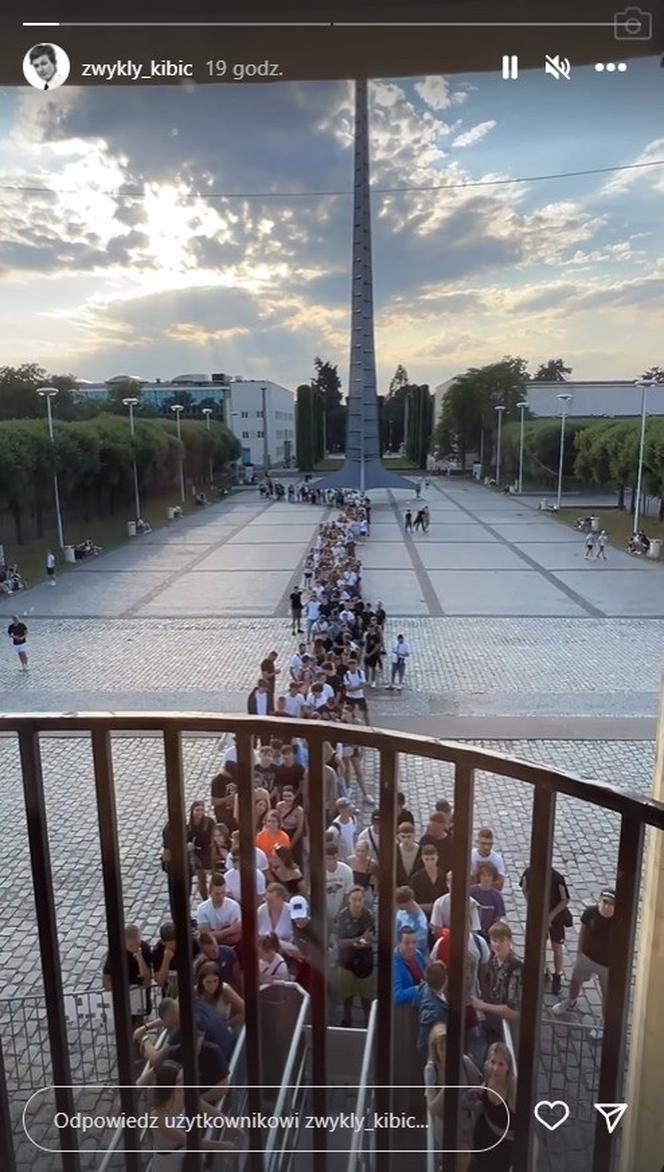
<point x="266" y="449"/>
<point x="522" y="407"/>
<point x="49" y="393"/>
<point x="499" y="412"/>
<point x="645" y="386"/>
<point x="207" y="411"/>
<point x="131" y="403"/>
<point x="177" y="409"/>
<point x="563" y="399"/>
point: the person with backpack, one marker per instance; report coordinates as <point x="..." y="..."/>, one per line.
<point x="344" y="828"/>
<point x="355" y="932"/>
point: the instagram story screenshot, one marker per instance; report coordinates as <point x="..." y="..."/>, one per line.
<point x="331" y="586"/>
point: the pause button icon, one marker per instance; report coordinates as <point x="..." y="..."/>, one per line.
<point x="510" y="67"/>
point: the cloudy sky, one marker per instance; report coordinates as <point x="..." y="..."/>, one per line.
<point x="166" y="230"/>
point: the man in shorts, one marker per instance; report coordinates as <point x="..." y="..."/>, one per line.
<point x="559" y="919"/>
<point x="50" y="568"/>
<point x="354" y="683"/>
<point x="593" y="955"/>
<point x="18" y="633"/>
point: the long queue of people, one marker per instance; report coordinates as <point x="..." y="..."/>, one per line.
<point x="326" y="679"/>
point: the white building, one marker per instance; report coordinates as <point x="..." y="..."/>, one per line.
<point x="262" y="416"/>
<point x="259" y="412"/>
<point x="615" y="398"/>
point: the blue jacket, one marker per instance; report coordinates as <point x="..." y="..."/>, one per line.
<point x="404" y="987"/>
<point x="431" y="1009"/>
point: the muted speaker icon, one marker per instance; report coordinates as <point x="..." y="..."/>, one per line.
<point x="557" y="66"/>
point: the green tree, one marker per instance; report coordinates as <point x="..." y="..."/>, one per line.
<point x="304" y="428"/>
<point x="328" y="385"/>
<point x="393" y="418"/>
<point x="468" y="419"/>
<point x="654" y="374"/>
<point x="553" y="371"/>
<point x="420" y="417"/>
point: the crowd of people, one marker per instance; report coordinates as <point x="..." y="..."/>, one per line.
<point x="334" y="662"/>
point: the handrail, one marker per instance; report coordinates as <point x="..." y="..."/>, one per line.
<point x="289" y="1064"/>
<point x="598" y="793"/>
<point x="355" y="1149"/>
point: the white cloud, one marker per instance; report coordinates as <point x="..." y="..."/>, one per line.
<point x="435" y="92"/>
<point x="474" y="134"/>
<point x="653" y="176"/>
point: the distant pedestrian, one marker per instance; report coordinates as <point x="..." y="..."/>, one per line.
<point x="296" y="611"/>
<point x="18" y="633"/>
<point x="50" y="567"/>
<point x="400" y="653"/>
<point x="408" y="522"/>
<point x="426" y="518"/>
<point x="602" y="542"/>
<point x="419" y="519"/>
<point x="590" y="545"/>
<point x="418" y="489"/>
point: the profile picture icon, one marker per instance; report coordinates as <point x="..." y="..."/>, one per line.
<point x="46" y="66"/>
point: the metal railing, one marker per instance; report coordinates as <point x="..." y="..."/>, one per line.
<point x="360" y="1158"/>
<point x="635" y="813"/>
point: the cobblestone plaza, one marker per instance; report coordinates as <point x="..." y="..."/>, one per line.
<point x="519" y="645"/>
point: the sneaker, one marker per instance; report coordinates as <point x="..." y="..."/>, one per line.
<point x="597" y="1033"/>
<point x="565" y="1006"/>
<point x="556" y="982"/>
<point x="398" y="687"/>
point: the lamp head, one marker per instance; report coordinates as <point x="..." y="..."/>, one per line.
<point x="177" y="407"/>
<point x="523" y="403"/>
<point x="206" y="410"/>
<point x="130" y="402"/>
<point x="564" y="397"/>
<point x="500" y="407"/>
<point x="47" y="392"/>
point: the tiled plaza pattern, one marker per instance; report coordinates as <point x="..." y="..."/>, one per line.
<point x="506" y="621"/>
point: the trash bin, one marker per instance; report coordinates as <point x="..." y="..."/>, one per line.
<point x="594" y="524"/>
<point x="69" y="553"/>
<point x="131" y="528"/>
<point x="655" y="547"/>
<point x="170" y="513"/>
<point x="544" y="504"/>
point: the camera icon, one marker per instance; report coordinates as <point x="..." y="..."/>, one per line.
<point x="633" y="24"/>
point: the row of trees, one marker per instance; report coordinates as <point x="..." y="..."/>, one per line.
<point x="94" y="461"/>
<point x="468" y="420"/>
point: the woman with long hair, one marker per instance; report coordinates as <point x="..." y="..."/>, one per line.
<point x="292" y="820"/>
<point x="200" y="828"/>
<point x="211" y="990"/>
<point x="285" y="870"/>
<point x="271" y="836"/>
<point x="493" y="1133"/>
<point x="365" y="870"/>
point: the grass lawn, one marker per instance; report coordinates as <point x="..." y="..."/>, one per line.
<point x="329" y="465"/>
<point x="109" y="533"/>
<point x="398" y="464"/>
<point x="618" y="524"/>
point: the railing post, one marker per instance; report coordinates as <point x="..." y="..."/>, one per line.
<point x="110" y="865"/>
<point x="179" y="866"/>
<point x="316" y="789"/>
<point x="247" y="826"/>
<point x="456" y="985"/>
<point x="537" y="925"/>
<point x="47" y="927"/>
<point x="616" y="1008"/>
<point x="387" y="863"/>
<point x="7" y="1161"/>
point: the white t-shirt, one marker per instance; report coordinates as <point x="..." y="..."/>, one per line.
<point x="401" y="650"/>
<point x="355" y="681"/>
<point x="233" y="885"/>
<point x="283" y="926"/>
<point x="218" y="918"/>
<point x="261" y="703"/>
<point x="441" y="913"/>
<point x="478" y="954"/>
<point x="344" y="833"/>
<point x="316" y="700"/>
<point x="293" y="703"/>
<point x="493" y="857"/>
<point x="277" y="969"/>
<point x="295" y="665"/>
<point x="50" y="561"/>
<point x="337" y="885"/>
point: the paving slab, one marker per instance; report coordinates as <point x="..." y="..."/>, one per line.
<point x="281" y="556"/>
<point x="515" y="592"/>
<point x="569" y="556"/>
<point x="385" y="555"/>
<point x="625" y="592"/>
<point x="547" y="531"/>
<point x="259" y="534"/>
<point x="399" y="590"/>
<point x="468" y="556"/>
<point x="209" y="593"/>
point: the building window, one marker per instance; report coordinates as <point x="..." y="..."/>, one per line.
<point x="245" y="414"/>
<point x="259" y="435"/>
<point x="259" y="414"/>
<point x="245" y="435"/>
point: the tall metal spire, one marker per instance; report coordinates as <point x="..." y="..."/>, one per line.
<point x="362" y="468"/>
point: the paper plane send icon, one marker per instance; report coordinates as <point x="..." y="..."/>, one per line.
<point x="612" y="1113"/>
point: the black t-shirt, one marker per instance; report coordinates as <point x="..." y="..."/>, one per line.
<point x="444" y="848"/>
<point x="292" y="775"/>
<point x="201" y="835"/>
<point x="18" y="632"/>
<point x="296" y="600"/>
<point x="268" y="671"/>
<point x="158" y="955"/>
<point x="597" y="935"/>
<point x="135" y="977"/>
<point x="212" y="1065"/>
<point x="424" y="890"/>
<point x="557" y="891"/>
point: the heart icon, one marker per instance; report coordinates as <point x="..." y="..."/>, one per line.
<point x="551" y="1115"/>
